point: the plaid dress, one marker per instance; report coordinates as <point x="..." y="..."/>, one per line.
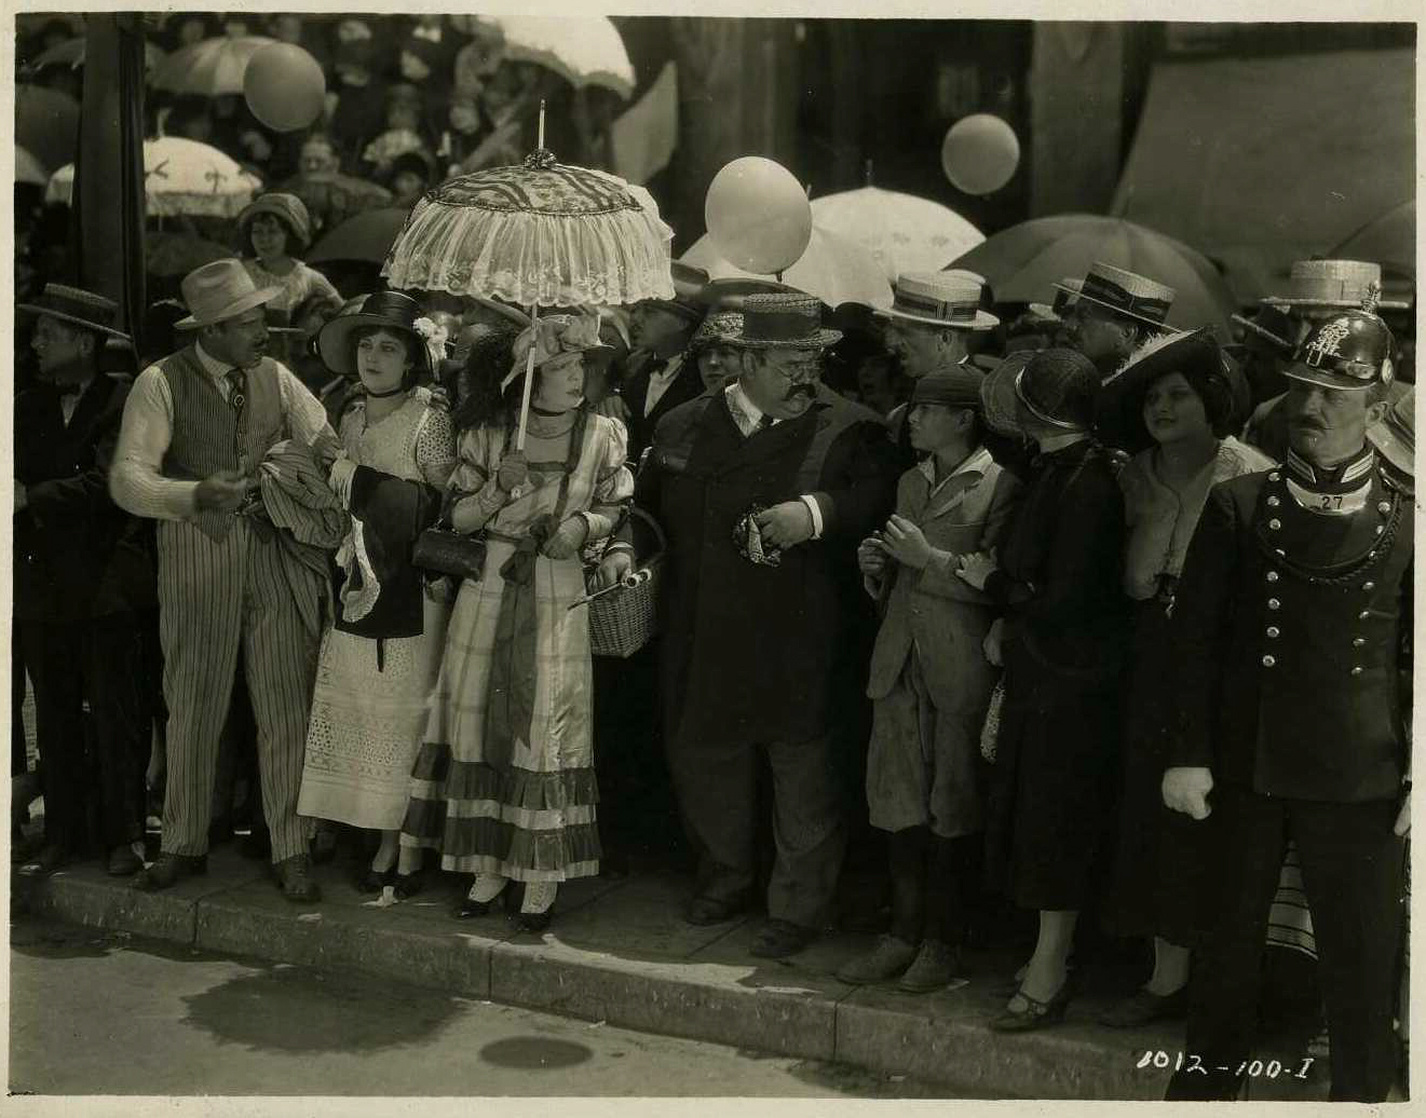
<point x="494" y="792"/>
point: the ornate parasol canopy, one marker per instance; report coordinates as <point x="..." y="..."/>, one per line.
<point x="539" y="233"/>
<point x="180" y="177"/>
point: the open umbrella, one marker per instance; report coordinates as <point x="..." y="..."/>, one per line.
<point x="366" y="237"/>
<point x="212" y="67"/>
<point x="540" y="233"/>
<point x="1389" y="240"/>
<point x="47" y="124"/>
<point x="904" y="232"/>
<point x="28" y="169"/>
<point x="180" y="177"/>
<point x="71" y="53"/>
<point x="583" y="50"/>
<point x="835" y="270"/>
<point x="1023" y="263"/>
<point x="331" y="197"/>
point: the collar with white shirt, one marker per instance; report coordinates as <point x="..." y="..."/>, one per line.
<point x="660" y="380"/>
<point x="747" y="415"/>
<point x="216" y="369"/>
<point x="977" y="462"/>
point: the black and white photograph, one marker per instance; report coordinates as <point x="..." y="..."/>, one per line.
<point x="696" y="557"/>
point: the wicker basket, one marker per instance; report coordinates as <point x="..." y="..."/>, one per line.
<point x="622" y="622"/>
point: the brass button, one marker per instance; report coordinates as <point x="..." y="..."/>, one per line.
<point x="1274" y="524"/>
<point x="1273" y="502"/>
<point x="1357" y="670"/>
<point x="1379" y="529"/>
<point x="1272" y="576"/>
<point x="1363" y="615"/>
<point x="1268" y="661"/>
<point x="1358" y="642"/>
<point x="1273" y="631"/>
<point x="1368" y="585"/>
<point x="1274" y="476"/>
<point x="1383" y="507"/>
<point x="1273" y="603"/>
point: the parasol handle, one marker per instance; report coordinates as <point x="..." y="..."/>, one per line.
<point x="529" y="380"/>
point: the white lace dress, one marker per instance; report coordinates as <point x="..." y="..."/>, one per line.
<point x="367" y="723"/>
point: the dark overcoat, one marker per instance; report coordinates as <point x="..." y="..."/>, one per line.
<point x="749" y="651"/>
<point x="687" y="385"/>
<point x="77" y="554"/>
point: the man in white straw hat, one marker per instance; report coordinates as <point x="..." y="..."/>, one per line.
<point x="196" y="426"/>
<point x="1113" y="312"/>
<point x="931" y="317"/>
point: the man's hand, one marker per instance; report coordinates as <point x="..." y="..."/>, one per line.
<point x="613" y="407"/>
<point x="568" y="539"/>
<point x="871" y="557"/>
<point x="907" y="543"/>
<point x="22" y="497"/>
<point x="785" y="525"/>
<point x="513" y="470"/>
<point x="221" y="492"/>
<point x="976" y="568"/>
<point x="1186" y="788"/>
<point x="614" y="568"/>
<point x="1403" y="817"/>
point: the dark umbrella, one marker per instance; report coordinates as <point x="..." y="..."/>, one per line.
<point x="47" y="124"/>
<point x="333" y="198"/>
<point x="366" y="237"/>
<point x="1389" y="240"/>
<point x="1023" y="263"/>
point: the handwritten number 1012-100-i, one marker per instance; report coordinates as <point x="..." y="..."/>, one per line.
<point x="1254" y="1069"/>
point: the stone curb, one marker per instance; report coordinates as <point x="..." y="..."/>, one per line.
<point x="716" y="993"/>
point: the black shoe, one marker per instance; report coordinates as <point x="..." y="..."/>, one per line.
<point x="50" y="858"/>
<point x="168" y="870"/>
<point x="533" y="922"/>
<point x="374" y="881"/>
<point x="407" y="885"/>
<point x="1143" y="1007"/>
<point x="123" y="862"/>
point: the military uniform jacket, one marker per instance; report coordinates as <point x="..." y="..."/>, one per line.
<point x="1290" y="631"/>
<point x="748" y="650"/>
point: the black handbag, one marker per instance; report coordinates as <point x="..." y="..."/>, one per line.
<point x="449" y="552"/>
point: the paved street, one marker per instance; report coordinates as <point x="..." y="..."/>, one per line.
<point x="104" y="1013"/>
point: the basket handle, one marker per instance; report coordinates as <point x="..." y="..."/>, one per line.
<point x="662" y="540"/>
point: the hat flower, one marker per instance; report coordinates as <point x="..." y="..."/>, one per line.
<point x="435" y="336"/>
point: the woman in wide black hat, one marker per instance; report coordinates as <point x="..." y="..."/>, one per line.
<point x="1174" y="406"/>
<point x="1057" y="575"/>
<point x="379" y="660"/>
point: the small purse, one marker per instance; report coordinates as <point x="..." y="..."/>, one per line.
<point x="449" y="552"/>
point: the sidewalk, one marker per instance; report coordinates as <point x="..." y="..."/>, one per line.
<point x="618" y="952"/>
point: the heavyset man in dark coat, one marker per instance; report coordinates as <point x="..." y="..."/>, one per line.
<point x="764" y="489"/>
<point x="1290" y="621"/>
<point x="84" y="586"/>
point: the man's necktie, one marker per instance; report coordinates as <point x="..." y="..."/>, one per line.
<point x="238" y="400"/>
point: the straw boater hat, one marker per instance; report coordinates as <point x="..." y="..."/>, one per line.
<point x="1057" y="386"/>
<point x="1312" y="286"/>
<point x="219" y="291"/>
<point x="1127" y="293"/>
<point x="939" y="299"/>
<point x="287" y="208"/>
<point x="77" y="307"/>
<point x="781" y="321"/>
<point x="389" y="310"/>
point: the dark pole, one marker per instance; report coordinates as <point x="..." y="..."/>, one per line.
<point x="109" y="167"/>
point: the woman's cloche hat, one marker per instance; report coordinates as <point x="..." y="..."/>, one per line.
<point x="389" y="310"/>
<point x="219" y="291"/>
<point x="287" y="208"/>
<point x="1057" y="386"/>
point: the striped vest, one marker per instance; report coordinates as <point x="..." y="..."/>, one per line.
<point x="205" y="427"/>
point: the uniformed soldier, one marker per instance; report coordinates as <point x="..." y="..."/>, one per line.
<point x="1290" y="628"/>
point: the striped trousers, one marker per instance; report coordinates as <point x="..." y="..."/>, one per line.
<point x="218" y="598"/>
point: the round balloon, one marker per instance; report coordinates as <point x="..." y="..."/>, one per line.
<point x="758" y="215"/>
<point x="284" y="87"/>
<point x="980" y="154"/>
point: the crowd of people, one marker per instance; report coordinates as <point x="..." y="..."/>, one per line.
<point x="1057" y="607"/>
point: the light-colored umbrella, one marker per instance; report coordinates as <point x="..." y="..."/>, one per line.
<point x="47" y="124"/>
<point x="835" y="270"/>
<point x="1023" y="263"/>
<point x="582" y="50"/>
<point x="904" y="232"/>
<point x="212" y="67"/>
<point x="28" y="169"/>
<point x="71" y="53"/>
<point x="180" y="177"/>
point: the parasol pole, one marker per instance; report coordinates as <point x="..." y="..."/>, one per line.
<point x="534" y="319"/>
